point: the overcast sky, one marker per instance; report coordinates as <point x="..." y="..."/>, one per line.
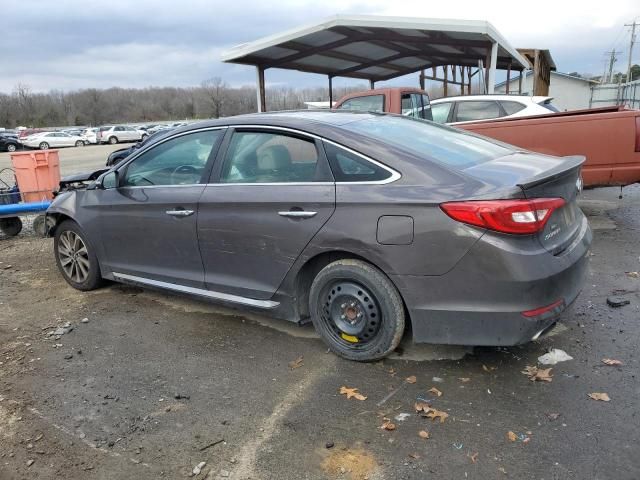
<point x="68" y="44"/>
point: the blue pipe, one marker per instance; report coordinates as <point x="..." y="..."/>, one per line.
<point x="16" y="208"/>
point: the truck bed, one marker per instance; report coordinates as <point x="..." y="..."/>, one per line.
<point x="606" y="136"/>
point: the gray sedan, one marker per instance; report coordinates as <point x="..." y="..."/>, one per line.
<point x="358" y="222"/>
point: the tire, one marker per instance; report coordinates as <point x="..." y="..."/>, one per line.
<point x="43" y="224"/>
<point x="11" y="226"/>
<point x="113" y="140"/>
<point x="79" y="143"/>
<point x="11" y="147"/>
<point x="43" y="146"/>
<point x="144" y="137"/>
<point x="85" y="274"/>
<point x="356" y="310"/>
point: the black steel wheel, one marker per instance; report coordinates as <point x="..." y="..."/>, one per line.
<point x="75" y="257"/>
<point x="11" y="226"/>
<point x="357" y="310"/>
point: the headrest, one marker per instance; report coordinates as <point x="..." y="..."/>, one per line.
<point x="274" y="157"/>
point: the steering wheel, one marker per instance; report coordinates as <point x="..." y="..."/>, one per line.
<point x="183" y="170"/>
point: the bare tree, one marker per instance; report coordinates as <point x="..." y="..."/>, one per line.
<point x="214" y="89"/>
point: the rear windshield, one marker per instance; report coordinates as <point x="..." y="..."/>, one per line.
<point x="431" y="141"/>
<point x="550" y="106"/>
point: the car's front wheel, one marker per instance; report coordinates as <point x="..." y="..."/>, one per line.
<point x="11" y="147"/>
<point x="356" y="310"/>
<point x="79" y="143"/>
<point x="75" y="258"/>
<point x="113" y="140"/>
<point x="43" y="146"/>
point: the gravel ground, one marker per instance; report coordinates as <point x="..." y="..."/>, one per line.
<point x="153" y="384"/>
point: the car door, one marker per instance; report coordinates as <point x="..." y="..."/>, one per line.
<point x="271" y="192"/>
<point x="131" y="134"/>
<point x="64" y="140"/>
<point x="148" y="220"/>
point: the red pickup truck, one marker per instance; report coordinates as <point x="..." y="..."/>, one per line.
<point x="608" y="137"/>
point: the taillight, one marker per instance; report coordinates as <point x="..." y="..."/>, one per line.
<point x="638" y="133"/>
<point x="518" y="217"/>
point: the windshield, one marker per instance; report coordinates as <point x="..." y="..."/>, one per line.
<point x="429" y="140"/>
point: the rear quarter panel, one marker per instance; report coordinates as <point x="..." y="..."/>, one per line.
<point x="607" y="140"/>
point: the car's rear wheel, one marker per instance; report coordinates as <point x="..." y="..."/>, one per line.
<point x="79" y="143"/>
<point x="11" y="147"/>
<point x="113" y="140"/>
<point x="43" y="146"/>
<point x="357" y="310"/>
<point x="75" y="258"/>
<point x="143" y="137"/>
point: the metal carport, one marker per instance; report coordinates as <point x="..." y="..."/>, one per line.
<point x="378" y="48"/>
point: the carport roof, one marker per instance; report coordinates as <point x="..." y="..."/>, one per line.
<point x="377" y="48"/>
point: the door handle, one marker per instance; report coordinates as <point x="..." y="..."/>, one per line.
<point x="179" y="213"/>
<point x="297" y="214"/>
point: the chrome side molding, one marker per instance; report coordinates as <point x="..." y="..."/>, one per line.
<point x="227" y="297"/>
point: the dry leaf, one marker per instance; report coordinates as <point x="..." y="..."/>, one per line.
<point x="633" y="274"/>
<point x="611" y="361"/>
<point x="392" y="372"/>
<point x="415" y="456"/>
<point x="464" y="379"/>
<point x="435" y="391"/>
<point x="421" y="407"/>
<point x="434" y="414"/>
<point x="511" y="436"/>
<point x="388" y="425"/>
<point x="352" y="392"/>
<point x="411" y="379"/>
<point x="553" y="416"/>
<point x="603" y="397"/>
<point x="538" y="374"/>
<point x="488" y="369"/>
<point x="474" y="457"/>
<point x="423" y="434"/>
<point x="297" y="363"/>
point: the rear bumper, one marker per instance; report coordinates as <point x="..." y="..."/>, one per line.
<point x="481" y="300"/>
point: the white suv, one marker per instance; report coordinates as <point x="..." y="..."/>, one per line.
<point x="116" y="134"/>
<point x="476" y="108"/>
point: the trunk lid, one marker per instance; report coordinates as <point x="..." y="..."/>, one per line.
<point x="542" y="176"/>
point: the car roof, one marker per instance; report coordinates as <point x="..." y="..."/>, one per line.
<point x="504" y="97"/>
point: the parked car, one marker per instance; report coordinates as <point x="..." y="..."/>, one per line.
<point x="47" y="140"/>
<point x="118" y="133"/>
<point x="90" y="134"/>
<point x="25" y="132"/>
<point x="122" y="153"/>
<point x="410" y="102"/>
<point x="608" y="136"/>
<point x="476" y="108"/>
<point x="361" y="222"/>
<point x="77" y="132"/>
<point x="9" y="142"/>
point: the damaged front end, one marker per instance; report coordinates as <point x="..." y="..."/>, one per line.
<point x="78" y="181"/>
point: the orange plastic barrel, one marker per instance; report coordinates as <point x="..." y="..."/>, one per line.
<point x="37" y="174"/>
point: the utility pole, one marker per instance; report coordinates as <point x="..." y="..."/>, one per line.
<point x="631" y="42"/>
<point x="612" y="60"/>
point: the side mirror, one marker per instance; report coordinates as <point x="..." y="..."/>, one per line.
<point x="109" y="180"/>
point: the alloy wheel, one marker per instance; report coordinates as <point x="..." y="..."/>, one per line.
<point x="74" y="256"/>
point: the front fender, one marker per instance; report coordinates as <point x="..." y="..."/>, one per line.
<point x="63" y="206"/>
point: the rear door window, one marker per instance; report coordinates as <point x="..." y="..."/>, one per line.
<point x="477" y="110"/>
<point x="440" y="111"/>
<point x="368" y="103"/>
<point x="266" y="157"/>
<point x="350" y="167"/>
<point x="512" y="107"/>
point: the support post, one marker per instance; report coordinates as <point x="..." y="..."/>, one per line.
<point x="469" y="84"/>
<point x="492" y="63"/>
<point x="520" y="82"/>
<point x="422" y="82"/>
<point x="445" y="83"/>
<point x="260" y="94"/>
<point x="508" y="78"/>
<point x="330" y="92"/>
<point x="372" y="84"/>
